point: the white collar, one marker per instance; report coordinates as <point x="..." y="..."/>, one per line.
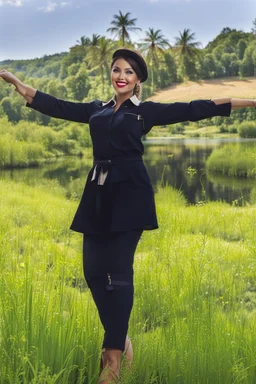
<point x="134" y="99"/>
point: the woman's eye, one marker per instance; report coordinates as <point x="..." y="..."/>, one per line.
<point x="127" y="73"/>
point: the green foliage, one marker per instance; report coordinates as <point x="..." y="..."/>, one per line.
<point x="193" y="318"/>
<point x="230" y="160"/>
<point x="210" y="67"/>
<point x="228" y="38"/>
<point x="122" y="24"/>
<point x="230" y="63"/>
<point x="28" y="144"/>
<point x="247" y="129"/>
<point x="79" y="85"/>
<point x="97" y="92"/>
<point x="83" y="73"/>
<point x="248" y="64"/>
<point x="178" y="128"/>
<point x="241" y="47"/>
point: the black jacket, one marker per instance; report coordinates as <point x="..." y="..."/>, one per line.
<point x="126" y="200"/>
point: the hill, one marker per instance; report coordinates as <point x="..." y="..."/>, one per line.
<point x="208" y="89"/>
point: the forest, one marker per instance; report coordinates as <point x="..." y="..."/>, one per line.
<point x="83" y="73"/>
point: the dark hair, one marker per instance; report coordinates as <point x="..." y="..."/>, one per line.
<point x="132" y="63"/>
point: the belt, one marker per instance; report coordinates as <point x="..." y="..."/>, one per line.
<point x="101" y="168"/>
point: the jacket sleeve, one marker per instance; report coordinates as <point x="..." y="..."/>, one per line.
<point x="67" y="110"/>
<point x="161" y="114"/>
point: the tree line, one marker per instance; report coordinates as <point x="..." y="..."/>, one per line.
<point x="83" y="73"/>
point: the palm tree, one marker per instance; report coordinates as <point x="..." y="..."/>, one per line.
<point x="254" y="27"/>
<point x="188" y="50"/>
<point x="99" y="57"/>
<point x="154" y="45"/>
<point x="121" y="25"/>
<point x="93" y="46"/>
<point x="186" y="44"/>
<point x="84" y="41"/>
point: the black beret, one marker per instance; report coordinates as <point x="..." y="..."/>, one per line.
<point x="136" y="56"/>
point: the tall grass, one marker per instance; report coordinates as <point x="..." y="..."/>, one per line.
<point x="28" y="144"/>
<point x="232" y="160"/>
<point x="193" y="319"/>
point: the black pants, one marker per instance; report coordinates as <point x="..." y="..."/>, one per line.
<point x="108" y="269"/>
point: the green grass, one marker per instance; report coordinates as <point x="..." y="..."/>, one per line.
<point x="27" y="144"/>
<point x="232" y="160"/>
<point x="194" y="315"/>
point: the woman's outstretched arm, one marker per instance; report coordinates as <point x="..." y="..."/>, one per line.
<point x="162" y="113"/>
<point x="24" y="90"/>
<point x="50" y="105"/>
<point x="236" y="103"/>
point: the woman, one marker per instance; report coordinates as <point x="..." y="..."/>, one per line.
<point x="118" y="200"/>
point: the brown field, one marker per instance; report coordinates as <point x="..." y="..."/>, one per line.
<point x="208" y="89"/>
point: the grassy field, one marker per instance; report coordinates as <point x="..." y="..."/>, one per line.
<point x="208" y="89"/>
<point x="194" y="315"/>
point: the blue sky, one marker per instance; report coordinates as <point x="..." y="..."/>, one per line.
<point x="32" y="28"/>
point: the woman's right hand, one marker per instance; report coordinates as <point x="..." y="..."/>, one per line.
<point x="23" y="89"/>
<point x="8" y="77"/>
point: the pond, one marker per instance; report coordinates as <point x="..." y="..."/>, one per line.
<point x="179" y="163"/>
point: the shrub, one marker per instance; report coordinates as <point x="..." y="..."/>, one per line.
<point x="231" y="160"/>
<point x="247" y="129"/>
<point x="176" y="128"/>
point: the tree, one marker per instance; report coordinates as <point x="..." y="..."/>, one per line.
<point x="79" y="85"/>
<point x="208" y="67"/>
<point x="122" y="24"/>
<point x="254" y="26"/>
<point x="154" y="45"/>
<point x="230" y="64"/>
<point x="241" y="47"/>
<point x="100" y="59"/>
<point x="84" y="41"/>
<point x="188" y="51"/>
<point x="93" y="46"/>
<point x="226" y="31"/>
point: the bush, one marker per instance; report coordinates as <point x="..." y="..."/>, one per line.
<point x="232" y="129"/>
<point x="247" y="129"/>
<point x="233" y="161"/>
<point x="176" y="128"/>
<point x="19" y="153"/>
<point x="28" y="144"/>
<point x="224" y="129"/>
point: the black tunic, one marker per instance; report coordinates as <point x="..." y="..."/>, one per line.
<point x="126" y="200"/>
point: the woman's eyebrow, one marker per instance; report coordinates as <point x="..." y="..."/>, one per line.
<point x="115" y="66"/>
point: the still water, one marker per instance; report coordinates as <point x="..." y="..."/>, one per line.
<point x="178" y="163"/>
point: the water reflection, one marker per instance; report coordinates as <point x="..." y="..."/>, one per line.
<point x="179" y="163"/>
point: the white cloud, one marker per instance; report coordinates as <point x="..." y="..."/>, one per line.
<point x="50" y="7"/>
<point x="16" y="3"/>
<point x="53" y="5"/>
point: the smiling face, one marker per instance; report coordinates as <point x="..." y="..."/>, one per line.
<point x="123" y="78"/>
